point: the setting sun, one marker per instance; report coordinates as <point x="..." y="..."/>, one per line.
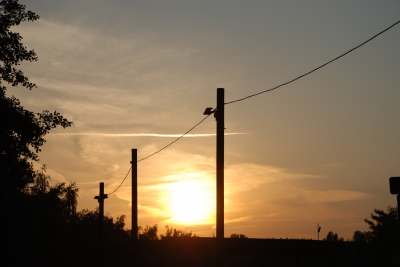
<point x="191" y="201"/>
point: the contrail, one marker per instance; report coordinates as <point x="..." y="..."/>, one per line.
<point x="137" y="134"/>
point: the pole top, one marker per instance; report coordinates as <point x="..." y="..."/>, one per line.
<point x="99" y="197"/>
<point x="208" y="111"/>
<point x="394" y="183"/>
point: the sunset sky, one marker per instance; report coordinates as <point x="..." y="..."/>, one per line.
<point x="137" y="74"/>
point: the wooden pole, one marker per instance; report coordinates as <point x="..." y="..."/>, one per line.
<point x="220" y="117"/>
<point x="398" y="207"/>
<point x="100" y="199"/>
<point x="134" y="204"/>
<point x="134" y="196"/>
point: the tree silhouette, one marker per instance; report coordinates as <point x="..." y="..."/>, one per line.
<point x="384" y="234"/>
<point x="173" y="233"/>
<point x="12" y="50"/>
<point x="238" y="236"/>
<point x="362" y="237"/>
<point x="380" y="245"/>
<point x="149" y="232"/>
<point x="21" y="131"/>
<point x="34" y="214"/>
<point x="333" y="237"/>
<point x="384" y="226"/>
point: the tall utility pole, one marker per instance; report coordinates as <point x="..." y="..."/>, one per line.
<point x="219" y="114"/>
<point x="134" y="196"/>
<point x="134" y="202"/>
<point x="100" y="198"/>
<point x="220" y="117"/>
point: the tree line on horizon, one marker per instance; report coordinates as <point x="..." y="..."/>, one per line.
<point x="40" y="224"/>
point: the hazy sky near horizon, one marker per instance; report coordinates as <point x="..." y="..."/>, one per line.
<point x="319" y="150"/>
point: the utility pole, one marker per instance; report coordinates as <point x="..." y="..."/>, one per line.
<point x="394" y="184"/>
<point x="398" y="207"/>
<point x="100" y="198"/>
<point x="219" y="114"/>
<point x="134" y="203"/>
<point x="318" y="229"/>
<point x="220" y="117"/>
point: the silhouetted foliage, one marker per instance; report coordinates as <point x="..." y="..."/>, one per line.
<point x="38" y="217"/>
<point x="84" y="227"/>
<point x="362" y="237"/>
<point x="238" y="236"/>
<point x="44" y="226"/>
<point x="63" y="196"/>
<point x="35" y="215"/>
<point x="379" y="246"/>
<point x="21" y="131"/>
<point x="12" y="50"/>
<point x="383" y="235"/>
<point x="149" y="232"/>
<point x="173" y="233"/>
<point x="333" y="237"/>
<point x="384" y="226"/>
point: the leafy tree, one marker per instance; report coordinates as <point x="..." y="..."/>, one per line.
<point x="238" y="236"/>
<point x="38" y="218"/>
<point x="384" y="226"/>
<point x="12" y="50"/>
<point x="380" y="245"/>
<point x="64" y="195"/>
<point x="83" y="226"/>
<point x="333" y="237"/>
<point x="21" y="131"/>
<point x="54" y="205"/>
<point x="149" y="232"/>
<point x="362" y="237"/>
<point x="173" y="233"/>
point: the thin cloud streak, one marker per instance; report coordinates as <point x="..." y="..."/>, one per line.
<point x="322" y="197"/>
<point x="138" y="134"/>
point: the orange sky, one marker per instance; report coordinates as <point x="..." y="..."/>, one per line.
<point x="320" y="150"/>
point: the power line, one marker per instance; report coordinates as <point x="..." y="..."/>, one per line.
<point x="158" y="151"/>
<point x="122" y="181"/>
<point x="175" y="139"/>
<point x="301" y="76"/>
<point x="276" y="87"/>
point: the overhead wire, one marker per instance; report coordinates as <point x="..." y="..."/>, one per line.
<point x="323" y="65"/>
<point x="158" y="151"/>
<point x="175" y="139"/>
<point x="262" y="92"/>
<point x="121" y="182"/>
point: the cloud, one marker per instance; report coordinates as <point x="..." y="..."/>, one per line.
<point x="246" y="176"/>
<point x="137" y="134"/>
<point x="176" y="168"/>
<point x="316" y="197"/>
<point x="119" y="80"/>
<point x="152" y="212"/>
<point x="240" y="219"/>
<point x="54" y="62"/>
<point x="59" y="178"/>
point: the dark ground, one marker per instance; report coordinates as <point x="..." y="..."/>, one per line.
<point x="196" y="252"/>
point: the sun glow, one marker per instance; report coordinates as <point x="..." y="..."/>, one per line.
<point x="191" y="201"/>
